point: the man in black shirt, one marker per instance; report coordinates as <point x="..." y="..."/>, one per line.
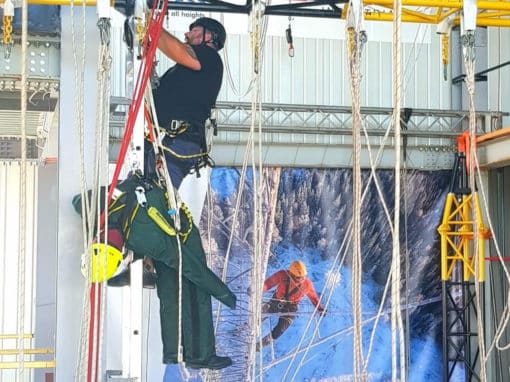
<point x="186" y="94"/>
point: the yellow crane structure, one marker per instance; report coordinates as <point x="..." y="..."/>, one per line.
<point x="490" y="13"/>
<point x="462" y="221"/>
<point x="463" y="240"/>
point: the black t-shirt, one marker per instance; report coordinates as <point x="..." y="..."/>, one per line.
<point x="186" y="94"/>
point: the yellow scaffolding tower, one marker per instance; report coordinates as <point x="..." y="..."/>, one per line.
<point x="462" y="217"/>
<point x="463" y="241"/>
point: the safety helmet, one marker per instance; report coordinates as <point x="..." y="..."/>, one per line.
<point x="101" y="269"/>
<point x="297" y="269"/>
<point x="219" y="35"/>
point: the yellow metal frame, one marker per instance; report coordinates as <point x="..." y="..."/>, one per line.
<point x="490" y="13"/>
<point x="457" y="237"/>
<point x="494" y="13"/>
<point x="26" y="351"/>
<point x="26" y="364"/>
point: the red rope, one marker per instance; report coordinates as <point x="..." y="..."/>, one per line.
<point x="150" y="44"/>
<point x="497" y="258"/>
<point x="149" y="48"/>
<point x="95" y="320"/>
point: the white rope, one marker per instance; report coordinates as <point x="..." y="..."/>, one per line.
<point x="256" y="17"/>
<point x="103" y="128"/>
<point x="22" y="198"/>
<point x="331" y="336"/>
<point x="343" y="252"/>
<point x="470" y="87"/>
<point x="375" y="178"/>
<point x="336" y="267"/>
<point x="92" y="211"/>
<point x="501" y="327"/>
<point x="262" y="38"/>
<point x="81" y="367"/>
<point x="354" y="42"/>
<point x="174" y="203"/>
<point x="505" y="315"/>
<point x="397" y="333"/>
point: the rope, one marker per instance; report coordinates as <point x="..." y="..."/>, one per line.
<point x="388" y="217"/>
<point x="94" y="311"/>
<point x="174" y="201"/>
<point x="174" y="204"/>
<point x="103" y="127"/>
<point x="470" y="87"/>
<point x="343" y="251"/>
<point x="150" y="44"/>
<point x="230" y="80"/>
<point x="354" y="51"/>
<point x="501" y="327"/>
<point x="78" y="85"/>
<point x="396" y="316"/>
<point x="23" y="197"/>
<point x="336" y="334"/>
<point x="258" y="263"/>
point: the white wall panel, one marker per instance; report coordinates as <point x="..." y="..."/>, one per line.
<point x="318" y="73"/>
<point x="499" y="79"/>
<point x="11" y="277"/>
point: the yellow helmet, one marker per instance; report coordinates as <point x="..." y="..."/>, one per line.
<point x="100" y="268"/>
<point x="297" y="269"/>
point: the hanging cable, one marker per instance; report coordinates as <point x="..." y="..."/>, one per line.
<point x="226" y="61"/>
<point x="468" y="43"/>
<point x="397" y="332"/>
<point x="79" y="63"/>
<point x="354" y="45"/>
<point x="23" y="198"/>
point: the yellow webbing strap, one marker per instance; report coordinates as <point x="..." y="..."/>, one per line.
<point x="156" y="216"/>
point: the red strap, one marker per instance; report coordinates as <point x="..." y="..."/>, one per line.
<point x="149" y="51"/>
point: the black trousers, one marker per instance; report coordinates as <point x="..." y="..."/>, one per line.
<point x="180" y="161"/>
<point x="284" y="321"/>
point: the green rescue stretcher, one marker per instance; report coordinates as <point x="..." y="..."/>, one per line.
<point x="149" y="230"/>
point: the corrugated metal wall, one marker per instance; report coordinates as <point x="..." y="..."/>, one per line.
<point x="318" y="72"/>
<point x="10" y="272"/>
<point x="499" y="79"/>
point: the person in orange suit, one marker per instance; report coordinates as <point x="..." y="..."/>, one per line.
<point x="291" y="286"/>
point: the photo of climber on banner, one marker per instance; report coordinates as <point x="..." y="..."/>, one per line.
<point x="291" y="286"/>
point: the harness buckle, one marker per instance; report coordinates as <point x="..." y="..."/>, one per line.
<point x="177" y="127"/>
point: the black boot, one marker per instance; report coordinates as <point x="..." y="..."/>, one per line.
<point x="124" y="279"/>
<point x="214" y="362"/>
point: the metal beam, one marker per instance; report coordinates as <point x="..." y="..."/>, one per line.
<point x="491" y="13"/>
<point x="320" y="135"/>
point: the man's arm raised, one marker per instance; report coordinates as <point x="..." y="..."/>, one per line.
<point x="178" y="51"/>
